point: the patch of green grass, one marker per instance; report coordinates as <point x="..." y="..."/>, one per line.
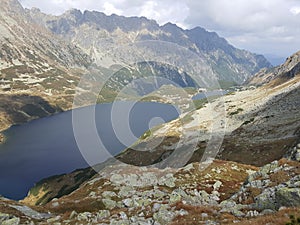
<point x="187" y="118"/>
<point x="146" y="135"/>
<point x="43" y="200"/>
<point x="199" y="103"/>
<point x="236" y="112"/>
<point x="248" y="121"/>
<point x="227" y="84"/>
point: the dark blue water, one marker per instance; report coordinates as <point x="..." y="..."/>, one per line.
<point x="47" y="146"/>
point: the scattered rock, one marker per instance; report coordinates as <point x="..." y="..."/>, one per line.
<point x="85" y="216"/>
<point x="217" y="185"/>
<point x="128" y="202"/>
<point x="167" y="180"/>
<point x="109" y="204"/>
<point x="73" y="215"/>
<point x="12" y="221"/>
<point x="164" y="216"/>
<point x="102" y="214"/>
<point x="108" y="194"/>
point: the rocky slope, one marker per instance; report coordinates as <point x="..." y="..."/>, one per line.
<point x="38" y="71"/>
<point x="223" y="193"/>
<point x="114" y="38"/>
<point x="284" y="72"/>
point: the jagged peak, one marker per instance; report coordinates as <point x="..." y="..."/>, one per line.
<point x="73" y="11"/>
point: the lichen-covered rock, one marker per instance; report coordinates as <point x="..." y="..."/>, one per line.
<point x="12" y="221"/>
<point x="167" y="180"/>
<point x="164" y="216"/>
<point x="85" y="216"/>
<point x="109" y="204"/>
<point x="4" y="216"/>
<point x="142" y="202"/>
<point x="174" y="197"/>
<point x="148" y="179"/>
<point x="108" y="194"/>
<point x="126" y="191"/>
<point x="157" y="194"/>
<point x="217" y="185"/>
<point x="117" y="179"/>
<point x="232" y="207"/>
<point x="102" y="214"/>
<point x="287" y="197"/>
<point x="269" y="168"/>
<point x="141" y="221"/>
<point x="266" y="200"/>
<point x="119" y="222"/>
<point x="128" y="202"/>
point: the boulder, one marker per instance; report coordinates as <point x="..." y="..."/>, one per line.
<point x="289" y="197"/>
<point x="12" y="221"/>
<point x="164" y="216"/>
<point x="109" y="204"/>
<point x="266" y="200"/>
<point x="102" y="214"/>
<point x="167" y="180"/>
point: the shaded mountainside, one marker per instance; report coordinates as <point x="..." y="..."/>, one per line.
<point x="35" y="67"/>
<point x="101" y="36"/>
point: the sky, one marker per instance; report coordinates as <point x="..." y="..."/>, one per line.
<point x="269" y="27"/>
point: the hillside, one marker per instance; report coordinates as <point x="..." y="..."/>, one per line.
<point x="262" y="129"/>
<point x="38" y="71"/>
<point x="281" y="73"/>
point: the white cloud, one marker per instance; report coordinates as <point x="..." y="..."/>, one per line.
<point x="263" y="26"/>
<point x="295" y="10"/>
<point x="109" y="9"/>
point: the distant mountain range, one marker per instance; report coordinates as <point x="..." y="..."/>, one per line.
<point x="100" y="36"/>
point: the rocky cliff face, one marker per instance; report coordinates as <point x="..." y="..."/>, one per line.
<point x="101" y="36"/>
<point x="282" y="73"/>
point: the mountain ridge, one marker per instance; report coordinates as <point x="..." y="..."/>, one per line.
<point x="215" y="51"/>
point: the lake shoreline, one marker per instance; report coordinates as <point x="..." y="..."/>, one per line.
<point x="47" y="146"/>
